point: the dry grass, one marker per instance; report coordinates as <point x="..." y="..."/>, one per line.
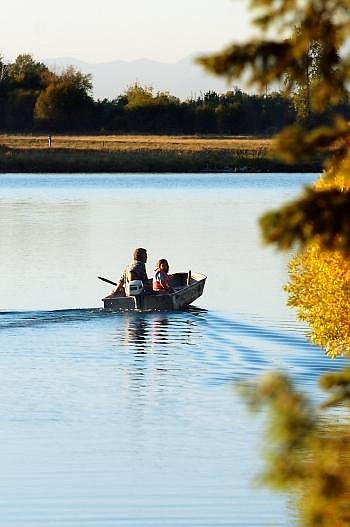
<point x="140" y="153"/>
<point x="129" y="143"/>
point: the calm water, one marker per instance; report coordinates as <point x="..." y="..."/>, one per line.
<point x="132" y="419"/>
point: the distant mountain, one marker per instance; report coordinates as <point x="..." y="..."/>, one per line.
<point x="184" y="78"/>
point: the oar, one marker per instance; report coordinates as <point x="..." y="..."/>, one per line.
<point x="106" y="280"/>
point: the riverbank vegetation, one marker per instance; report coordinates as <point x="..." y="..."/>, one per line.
<point x="308" y="448"/>
<point x="141" y="153"/>
<point x="144" y="130"/>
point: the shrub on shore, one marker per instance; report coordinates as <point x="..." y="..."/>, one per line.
<point x="78" y="160"/>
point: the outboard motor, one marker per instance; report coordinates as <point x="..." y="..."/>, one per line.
<point x="134" y="288"/>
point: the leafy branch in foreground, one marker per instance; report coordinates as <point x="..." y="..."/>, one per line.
<point x="314" y="28"/>
<point x="324" y="21"/>
<point x="317" y="214"/>
<point x="302" y="457"/>
<point x="308" y="454"/>
<point x="319" y="275"/>
<point x="318" y="288"/>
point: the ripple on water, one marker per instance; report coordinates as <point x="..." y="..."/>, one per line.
<point x="216" y="342"/>
<point x="130" y="419"/>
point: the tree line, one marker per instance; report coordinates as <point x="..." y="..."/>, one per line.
<point x="35" y="99"/>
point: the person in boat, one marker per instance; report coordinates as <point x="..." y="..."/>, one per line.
<point x="161" y="279"/>
<point x="136" y="270"/>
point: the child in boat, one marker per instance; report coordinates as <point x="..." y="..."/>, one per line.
<point x="161" y="282"/>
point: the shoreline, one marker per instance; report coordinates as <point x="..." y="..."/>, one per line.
<point x="71" y="162"/>
<point x="142" y="154"/>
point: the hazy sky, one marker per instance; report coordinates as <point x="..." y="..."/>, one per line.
<point x="106" y="30"/>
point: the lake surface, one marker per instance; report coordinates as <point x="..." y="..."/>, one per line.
<point x="133" y="419"/>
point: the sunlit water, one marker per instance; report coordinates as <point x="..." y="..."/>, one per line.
<point x="133" y="419"/>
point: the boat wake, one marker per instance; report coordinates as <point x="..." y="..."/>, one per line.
<point x="22" y="319"/>
<point x="221" y="347"/>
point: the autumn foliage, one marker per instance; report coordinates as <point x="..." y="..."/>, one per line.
<point x="308" y="453"/>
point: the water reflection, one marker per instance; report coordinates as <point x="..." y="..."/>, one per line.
<point x="154" y="332"/>
<point x="135" y="333"/>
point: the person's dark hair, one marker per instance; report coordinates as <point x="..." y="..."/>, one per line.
<point x="139" y="254"/>
<point x="162" y="261"/>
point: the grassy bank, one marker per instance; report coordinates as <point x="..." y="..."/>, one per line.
<point x="132" y="153"/>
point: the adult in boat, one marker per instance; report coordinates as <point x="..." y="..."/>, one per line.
<point x="136" y="270"/>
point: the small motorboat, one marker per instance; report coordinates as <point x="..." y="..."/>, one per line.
<point x="187" y="288"/>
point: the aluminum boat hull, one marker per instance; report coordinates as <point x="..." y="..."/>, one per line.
<point x="185" y="293"/>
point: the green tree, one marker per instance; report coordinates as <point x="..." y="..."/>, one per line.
<point x="18" y="110"/>
<point x="138" y="95"/>
<point x="3" y="92"/>
<point x="66" y="103"/>
<point x="3" y="69"/>
<point x="20" y="85"/>
<point x="205" y="119"/>
<point x="26" y="73"/>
